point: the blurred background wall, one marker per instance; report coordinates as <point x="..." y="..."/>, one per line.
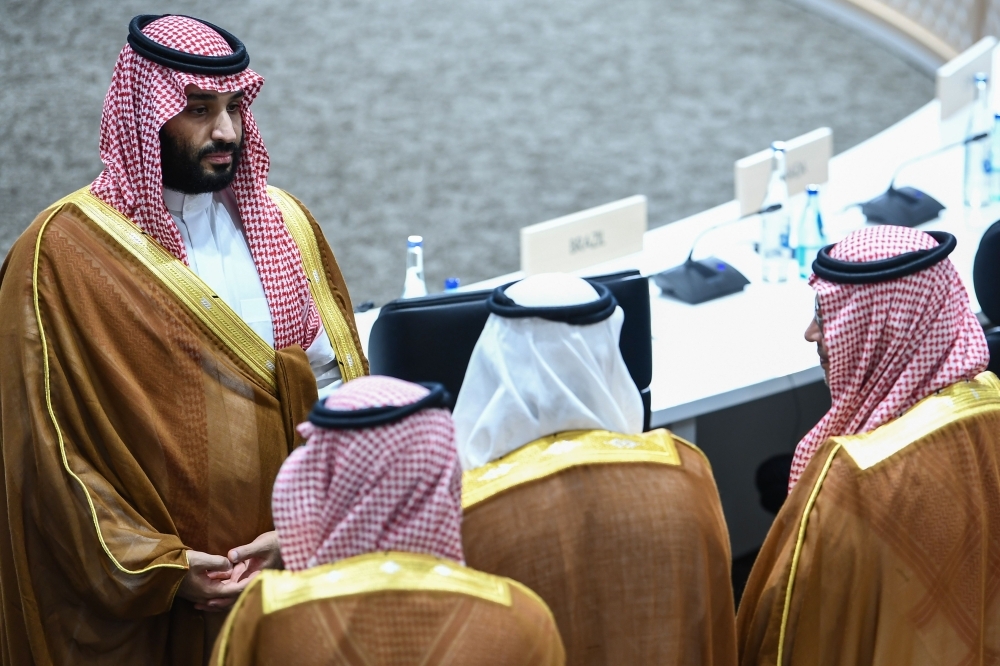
<point x="464" y="121"/>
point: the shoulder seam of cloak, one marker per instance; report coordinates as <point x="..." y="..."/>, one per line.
<point x="556" y="453"/>
<point x="52" y="413"/>
<point x="312" y="264"/>
<point x="528" y="592"/>
<point x="695" y="448"/>
<point x="799" y="542"/>
<point x="185" y="285"/>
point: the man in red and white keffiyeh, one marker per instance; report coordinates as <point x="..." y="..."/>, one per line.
<point x="888" y="345"/>
<point x="184" y="161"/>
<point x="161" y="342"/>
<point x="144" y="97"/>
<point x="396" y="486"/>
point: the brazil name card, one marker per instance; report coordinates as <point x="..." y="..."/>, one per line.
<point x="583" y="239"/>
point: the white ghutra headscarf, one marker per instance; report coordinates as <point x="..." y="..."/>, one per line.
<point x="531" y="377"/>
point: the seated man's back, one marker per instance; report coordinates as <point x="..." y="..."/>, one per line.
<point x="368" y="514"/>
<point x="626" y="543"/>
<point x="390" y="608"/>
<point x="900" y="544"/>
<point x="887" y="550"/>
<point x="620" y="532"/>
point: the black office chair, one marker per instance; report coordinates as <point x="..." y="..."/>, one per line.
<point x="986" y="281"/>
<point x="431" y="339"/>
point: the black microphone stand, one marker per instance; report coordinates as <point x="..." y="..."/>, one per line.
<point x="908" y="206"/>
<point x="697" y="281"/>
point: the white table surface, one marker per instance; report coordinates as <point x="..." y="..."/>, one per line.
<point x="749" y="345"/>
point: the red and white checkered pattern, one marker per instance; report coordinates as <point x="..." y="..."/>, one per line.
<point x="392" y="487"/>
<point x="142" y="97"/>
<point x="890" y="344"/>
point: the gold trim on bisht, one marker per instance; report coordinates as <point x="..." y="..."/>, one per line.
<point x="183" y="283"/>
<point x="555" y="453"/>
<point x="36" y="300"/>
<point x="934" y="412"/>
<point x="334" y="322"/>
<point x="227" y="627"/>
<point x="379" y="572"/>
<point x="799" y="544"/>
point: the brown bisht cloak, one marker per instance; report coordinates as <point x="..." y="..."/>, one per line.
<point x="140" y="418"/>
<point x="623" y="537"/>
<point x="887" y="551"/>
<point x="388" y="609"/>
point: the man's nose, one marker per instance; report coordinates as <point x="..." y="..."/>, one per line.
<point x="812" y="332"/>
<point x="224" y="129"/>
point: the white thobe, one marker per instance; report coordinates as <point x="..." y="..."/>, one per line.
<point x="218" y="253"/>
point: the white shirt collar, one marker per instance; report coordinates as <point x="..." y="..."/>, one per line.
<point x="182" y="205"/>
<point x="217" y="251"/>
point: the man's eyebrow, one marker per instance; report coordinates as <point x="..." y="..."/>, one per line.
<point x="208" y="97"/>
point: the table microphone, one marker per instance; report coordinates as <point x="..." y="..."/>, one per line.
<point x="908" y="206"/>
<point x="703" y="280"/>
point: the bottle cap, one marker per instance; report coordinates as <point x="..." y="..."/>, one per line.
<point x="981" y="76"/>
<point x="778" y="146"/>
<point x="452" y="283"/>
<point x="415" y="241"/>
<point x="812" y="189"/>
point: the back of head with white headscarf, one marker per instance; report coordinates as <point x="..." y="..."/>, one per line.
<point x="531" y="377"/>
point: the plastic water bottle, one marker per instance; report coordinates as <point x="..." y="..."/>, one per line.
<point x="995" y="159"/>
<point x="414" y="284"/>
<point x="775" y="223"/>
<point x="452" y="284"/>
<point x="811" y="237"/>
<point x="977" y="153"/>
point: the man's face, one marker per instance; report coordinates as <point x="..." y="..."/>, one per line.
<point x="815" y="334"/>
<point x="200" y="147"/>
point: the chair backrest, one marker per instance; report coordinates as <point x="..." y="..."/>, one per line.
<point x="986" y="273"/>
<point x="993" y="342"/>
<point x="432" y="338"/>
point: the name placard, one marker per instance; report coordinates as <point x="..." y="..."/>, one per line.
<point x="583" y="239"/>
<point x="955" y="85"/>
<point x="807" y="163"/>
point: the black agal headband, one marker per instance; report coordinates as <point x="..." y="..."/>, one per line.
<point x="187" y="62"/>
<point x="882" y="270"/>
<point x="500" y="304"/>
<point x="369" y="417"/>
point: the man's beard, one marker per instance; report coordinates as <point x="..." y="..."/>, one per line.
<point x="183" y="171"/>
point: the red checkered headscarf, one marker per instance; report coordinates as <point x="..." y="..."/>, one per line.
<point x="890" y="344"/>
<point x="143" y="96"/>
<point x="391" y="487"/>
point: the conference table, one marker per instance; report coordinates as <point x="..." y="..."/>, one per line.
<point x="750" y="345"/>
